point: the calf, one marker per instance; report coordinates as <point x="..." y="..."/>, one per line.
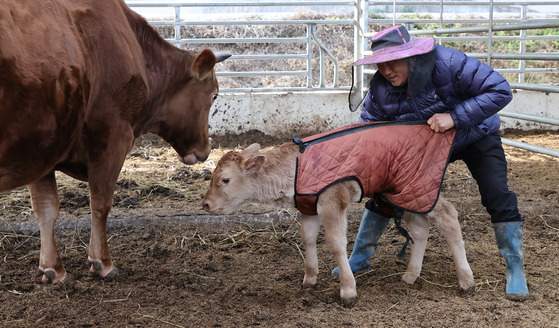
<point x="268" y="177"/>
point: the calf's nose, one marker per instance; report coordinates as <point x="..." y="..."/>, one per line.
<point x="206" y="206"/>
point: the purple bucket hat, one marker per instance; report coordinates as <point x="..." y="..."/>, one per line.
<point x="394" y="43"/>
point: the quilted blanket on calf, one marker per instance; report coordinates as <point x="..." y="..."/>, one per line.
<point x="402" y="162"/>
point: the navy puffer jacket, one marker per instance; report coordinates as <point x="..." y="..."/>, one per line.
<point x="471" y="91"/>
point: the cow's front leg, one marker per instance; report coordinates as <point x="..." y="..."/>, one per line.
<point x="419" y="232"/>
<point x="46" y="204"/>
<point x="99" y="257"/>
<point x="332" y="208"/>
<point x="102" y="182"/>
<point x="310" y="226"/>
<point x="103" y="170"/>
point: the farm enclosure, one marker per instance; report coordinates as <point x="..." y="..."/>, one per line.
<point x="177" y="271"/>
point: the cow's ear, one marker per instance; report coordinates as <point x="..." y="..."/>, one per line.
<point x="252" y="149"/>
<point x="203" y="64"/>
<point x="255" y="164"/>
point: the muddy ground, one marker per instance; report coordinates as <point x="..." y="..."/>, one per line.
<point x="182" y="268"/>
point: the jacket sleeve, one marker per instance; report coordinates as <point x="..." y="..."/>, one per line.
<point x="482" y="91"/>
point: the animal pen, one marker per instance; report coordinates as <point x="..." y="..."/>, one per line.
<point x="505" y="34"/>
<point x="290" y="75"/>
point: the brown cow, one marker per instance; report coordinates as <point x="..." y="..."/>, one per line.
<point x="80" y="80"/>
<point x="268" y="177"/>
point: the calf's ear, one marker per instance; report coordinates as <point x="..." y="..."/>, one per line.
<point x="252" y="149"/>
<point x="254" y="164"/>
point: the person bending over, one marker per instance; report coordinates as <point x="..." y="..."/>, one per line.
<point x="419" y="80"/>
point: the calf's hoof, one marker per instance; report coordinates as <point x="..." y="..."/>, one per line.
<point x="309" y="282"/>
<point x="467" y="291"/>
<point x="349" y="302"/>
<point x="409" y="278"/>
<point x="105" y="273"/>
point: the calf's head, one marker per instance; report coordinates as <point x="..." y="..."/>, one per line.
<point x="234" y="181"/>
<point x="183" y="123"/>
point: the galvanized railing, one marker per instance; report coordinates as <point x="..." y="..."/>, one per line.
<point x="394" y="12"/>
<point x="308" y="40"/>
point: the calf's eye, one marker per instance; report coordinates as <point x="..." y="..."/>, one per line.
<point x="225" y="180"/>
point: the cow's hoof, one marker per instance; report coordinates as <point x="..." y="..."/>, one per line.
<point x="349" y="302"/>
<point x="108" y="273"/>
<point x="49" y="276"/>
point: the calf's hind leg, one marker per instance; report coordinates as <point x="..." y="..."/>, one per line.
<point x="310" y="226"/>
<point x="332" y="207"/>
<point x="446" y="221"/>
<point x="418" y="227"/>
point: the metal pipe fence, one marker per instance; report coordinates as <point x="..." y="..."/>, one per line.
<point x="309" y="40"/>
<point x="489" y="26"/>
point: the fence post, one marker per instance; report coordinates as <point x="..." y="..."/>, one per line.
<point x="309" y="56"/>
<point x="359" y="29"/>
<point x="522" y="47"/>
<point x="490" y="34"/>
<point x="177" y="27"/>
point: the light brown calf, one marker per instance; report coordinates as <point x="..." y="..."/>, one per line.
<point x="268" y="177"/>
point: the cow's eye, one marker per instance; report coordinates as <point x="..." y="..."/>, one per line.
<point x="225" y="180"/>
<point x="215" y="97"/>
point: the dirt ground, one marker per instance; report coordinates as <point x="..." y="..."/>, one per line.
<point x="183" y="268"/>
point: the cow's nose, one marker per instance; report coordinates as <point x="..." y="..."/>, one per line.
<point x="206" y="206"/>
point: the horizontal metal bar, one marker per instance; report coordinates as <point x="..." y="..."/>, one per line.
<point x="463" y="3"/>
<point x="453" y="21"/>
<point x="527" y="70"/>
<point x="287" y="89"/>
<point x="502" y="70"/>
<point x="530" y="117"/>
<point x="499" y="38"/>
<point x="530" y="147"/>
<point x="242" y="4"/>
<point x="535" y="87"/>
<point x="254" y="22"/>
<point x="262" y="57"/>
<point x="261" y="73"/>
<point x="262" y="40"/>
<point x="519" y="56"/>
<point x="502" y="27"/>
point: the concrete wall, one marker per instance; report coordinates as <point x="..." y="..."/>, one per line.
<point x="285" y="115"/>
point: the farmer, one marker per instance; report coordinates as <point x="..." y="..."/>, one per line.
<point x="418" y="80"/>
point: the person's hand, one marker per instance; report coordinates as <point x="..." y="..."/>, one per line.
<point x="441" y="122"/>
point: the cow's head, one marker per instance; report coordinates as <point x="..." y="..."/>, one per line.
<point x="184" y="119"/>
<point x="234" y="182"/>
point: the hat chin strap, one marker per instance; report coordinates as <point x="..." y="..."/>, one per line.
<point x="353" y="108"/>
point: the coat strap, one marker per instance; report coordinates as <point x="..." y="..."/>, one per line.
<point x="398" y="213"/>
